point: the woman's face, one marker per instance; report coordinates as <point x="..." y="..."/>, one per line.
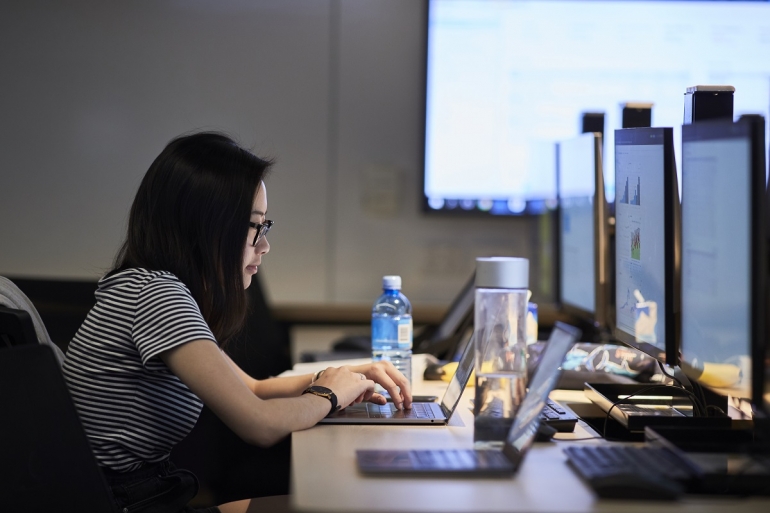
<point x="252" y="255"/>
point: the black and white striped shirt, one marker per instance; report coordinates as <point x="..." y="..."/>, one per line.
<point x="133" y="409"/>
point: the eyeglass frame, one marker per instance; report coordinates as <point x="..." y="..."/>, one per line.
<point x="262" y="229"/>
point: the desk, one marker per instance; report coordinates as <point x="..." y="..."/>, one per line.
<point x="324" y="475"/>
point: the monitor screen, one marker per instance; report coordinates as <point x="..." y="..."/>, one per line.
<point x="644" y="240"/>
<point x="581" y="232"/>
<point x="717" y="244"/>
<point x="505" y="80"/>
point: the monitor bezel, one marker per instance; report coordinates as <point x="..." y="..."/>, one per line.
<point x="752" y="130"/>
<point x="760" y="377"/>
<point x="672" y="245"/>
<point x="600" y="316"/>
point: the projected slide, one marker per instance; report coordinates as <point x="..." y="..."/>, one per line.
<point x="507" y="79"/>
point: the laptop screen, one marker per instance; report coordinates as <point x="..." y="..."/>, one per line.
<point x="526" y="423"/>
<point x="459" y="380"/>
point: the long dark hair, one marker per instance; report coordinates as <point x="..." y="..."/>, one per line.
<point x="191" y="217"/>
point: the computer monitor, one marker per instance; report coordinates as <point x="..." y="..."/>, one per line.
<point x="723" y="253"/>
<point x="458" y="311"/>
<point x="446" y="341"/>
<point x="647" y="242"/>
<point x="582" y="241"/>
<point x="761" y="363"/>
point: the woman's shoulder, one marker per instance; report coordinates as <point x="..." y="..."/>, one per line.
<point x="138" y="278"/>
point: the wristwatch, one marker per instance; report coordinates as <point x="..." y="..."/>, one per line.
<point x="323" y="392"/>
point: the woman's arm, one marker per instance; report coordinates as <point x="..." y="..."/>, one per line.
<point x="272" y="388"/>
<point x="383" y="373"/>
<point x="203" y="368"/>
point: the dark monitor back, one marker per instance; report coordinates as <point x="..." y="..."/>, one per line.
<point x="723" y="253"/>
<point x="445" y="342"/>
<point x="458" y="311"/>
<point x="592" y="122"/>
<point x="647" y="242"/>
<point x="636" y="115"/>
<point x="582" y="244"/>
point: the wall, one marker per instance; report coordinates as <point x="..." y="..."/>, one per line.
<point x="333" y="89"/>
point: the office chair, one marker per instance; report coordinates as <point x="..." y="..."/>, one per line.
<point x="47" y="463"/>
<point x="12" y="297"/>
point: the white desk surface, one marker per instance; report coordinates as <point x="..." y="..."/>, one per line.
<point x="324" y="476"/>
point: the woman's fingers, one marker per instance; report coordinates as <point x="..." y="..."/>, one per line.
<point x="349" y="386"/>
<point x="388" y="377"/>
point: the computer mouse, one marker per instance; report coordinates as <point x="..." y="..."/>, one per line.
<point x="636" y="487"/>
<point x="434" y="371"/>
<point x="353" y="343"/>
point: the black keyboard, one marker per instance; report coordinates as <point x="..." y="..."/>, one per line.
<point x="639" y="467"/>
<point x="558" y="417"/>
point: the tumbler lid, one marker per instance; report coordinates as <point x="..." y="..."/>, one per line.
<point x="502" y="273"/>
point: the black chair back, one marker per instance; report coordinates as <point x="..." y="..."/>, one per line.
<point x="47" y="463"/>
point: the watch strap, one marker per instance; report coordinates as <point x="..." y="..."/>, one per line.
<point x="325" y="393"/>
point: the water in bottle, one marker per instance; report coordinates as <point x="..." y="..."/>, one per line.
<point x="392" y="327"/>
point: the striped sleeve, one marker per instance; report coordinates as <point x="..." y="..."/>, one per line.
<point x="167" y="316"/>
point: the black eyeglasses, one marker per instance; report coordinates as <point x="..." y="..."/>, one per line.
<point x="262" y="229"/>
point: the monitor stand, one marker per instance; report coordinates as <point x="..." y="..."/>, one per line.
<point x="640" y="405"/>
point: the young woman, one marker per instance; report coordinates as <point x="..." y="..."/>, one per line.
<point x="149" y="354"/>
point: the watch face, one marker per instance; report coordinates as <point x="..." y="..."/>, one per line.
<point x="320" y="390"/>
<point x="324" y="392"/>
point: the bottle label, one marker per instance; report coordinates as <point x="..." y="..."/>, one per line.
<point x="405" y="332"/>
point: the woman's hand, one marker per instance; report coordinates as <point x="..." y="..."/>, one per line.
<point x="386" y="375"/>
<point x="348" y="385"/>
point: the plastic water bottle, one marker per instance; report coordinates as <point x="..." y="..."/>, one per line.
<point x="392" y="327"/>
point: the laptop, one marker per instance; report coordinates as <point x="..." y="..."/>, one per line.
<point x="483" y="463"/>
<point x="424" y="413"/>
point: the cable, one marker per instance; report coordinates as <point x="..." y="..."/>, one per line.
<point x="702" y="403"/>
<point x="672" y="376"/>
<point x="696" y="386"/>
<point x="717" y="408"/>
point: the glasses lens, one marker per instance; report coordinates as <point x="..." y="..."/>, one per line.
<point x="262" y="230"/>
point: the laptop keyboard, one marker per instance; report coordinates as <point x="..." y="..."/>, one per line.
<point x="457" y="459"/>
<point x="418" y="411"/>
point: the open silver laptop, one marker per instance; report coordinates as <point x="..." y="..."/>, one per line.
<point x="484" y="463"/>
<point x="421" y="413"/>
